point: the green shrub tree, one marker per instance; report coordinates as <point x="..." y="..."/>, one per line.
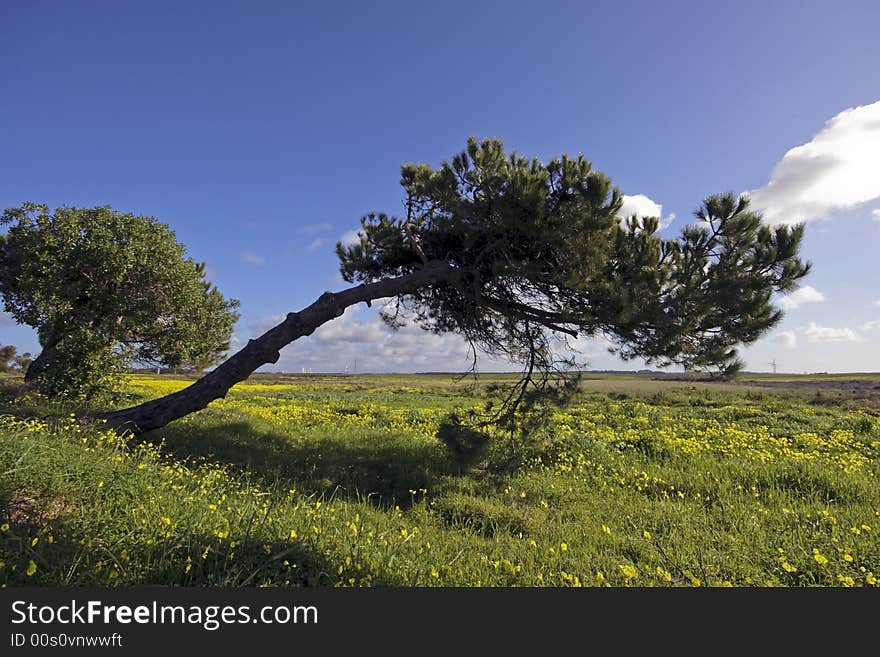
<point x="104" y="290"/>
<point x="8" y="356"/>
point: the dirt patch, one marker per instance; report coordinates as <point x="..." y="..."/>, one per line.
<point x="35" y="511"/>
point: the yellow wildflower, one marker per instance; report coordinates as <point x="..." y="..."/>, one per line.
<point x="629" y="571"/>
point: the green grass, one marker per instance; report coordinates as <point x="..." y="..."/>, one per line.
<point x="327" y="481"/>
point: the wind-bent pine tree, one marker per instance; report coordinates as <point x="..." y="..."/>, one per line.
<point x="515" y="254"/>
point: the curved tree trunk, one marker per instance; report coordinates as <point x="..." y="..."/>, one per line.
<point x="266" y="349"/>
<point x="41" y="362"/>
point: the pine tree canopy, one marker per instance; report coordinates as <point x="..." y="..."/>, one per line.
<point x="539" y="254"/>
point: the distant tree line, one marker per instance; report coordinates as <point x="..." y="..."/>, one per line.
<point x="11" y="361"/>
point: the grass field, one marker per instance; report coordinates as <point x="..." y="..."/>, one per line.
<point x="329" y="481"/>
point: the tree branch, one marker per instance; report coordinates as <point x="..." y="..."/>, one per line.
<point x="266" y="348"/>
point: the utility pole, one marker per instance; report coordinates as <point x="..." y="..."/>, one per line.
<point x="773" y="363"/>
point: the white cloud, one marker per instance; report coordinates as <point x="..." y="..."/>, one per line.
<point x="337" y="345"/>
<point x="836" y="170"/>
<point x="315" y="245"/>
<point x="359" y="335"/>
<point x="587" y="347"/>
<point x="314" y="229"/>
<point x="251" y="258"/>
<point x="816" y="333"/>
<point x="801" y="296"/>
<point x="876" y="214"/>
<point x="262" y="324"/>
<point x="787" y="339"/>
<point x="350" y="237"/>
<point x="872" y="325"/>
<point x="643" y="206"/>
<point x="235" y="343"/>
<point x="345" y="328"/>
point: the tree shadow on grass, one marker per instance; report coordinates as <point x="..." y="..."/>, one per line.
<point x="378" y="467"/>
<point x="74" y="560"/>
<point x="250" y="563"/>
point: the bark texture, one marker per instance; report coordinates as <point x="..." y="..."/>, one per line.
<point x="266" y="349"/>
<point x="42" y="361"/>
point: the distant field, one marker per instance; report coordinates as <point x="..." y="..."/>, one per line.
<point x="837" y="376"/>
<point x="340" y="481"/>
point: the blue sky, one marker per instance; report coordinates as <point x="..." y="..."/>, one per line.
<point x="262" y="131"/>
